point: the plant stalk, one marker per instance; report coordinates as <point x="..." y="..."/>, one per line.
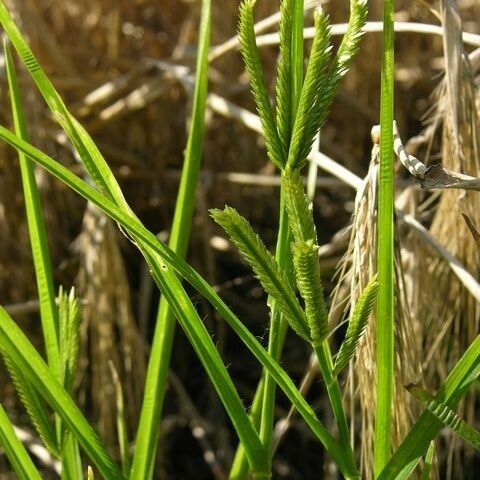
<point x="276" y="339"/>
<point x="385" y="303"/>
<point x="157" y="372"/>
<point x="325" y="362"/>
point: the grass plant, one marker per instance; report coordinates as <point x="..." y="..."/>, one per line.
<point x="291" y="277"/>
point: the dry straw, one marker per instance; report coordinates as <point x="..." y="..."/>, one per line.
<point x="109" y="331"/>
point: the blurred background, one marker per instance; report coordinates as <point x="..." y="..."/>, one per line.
<point x="124" y="68"/>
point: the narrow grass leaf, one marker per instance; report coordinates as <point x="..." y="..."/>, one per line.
<point x="195" y="330"/>
<point x="36" y="226"/>
<point x="385" y="305"/>
<point x="447" y="416"/>
<point x="159" y="361"/>
<point x="428" y="462"/>
<point x="278" y="327"/>
<point x="426" y="428"/>
<point x="356" y="325"/>
<point x="71" y="460"/>
<point x="122" y="431"/>
<point x="251" y="57"/>
<point x="16" y="453"/>
<point x="240" y="469"/>
<point x="273" y="280"/>
<point x="28" y="361"/>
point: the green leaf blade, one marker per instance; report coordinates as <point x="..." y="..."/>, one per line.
<point x="157" y="370"/>
<point x="184" y="310"/>
<point x="385" y="346"/>
<point x="426" y="428"/>
<point x="91" y="157"/>
<point x="28" y="361"/>
<point x="15" y="451"/>
<point x="36" y="227"/>
<point x="447" y="416"/>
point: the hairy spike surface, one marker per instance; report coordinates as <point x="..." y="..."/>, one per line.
<point x="252" y="61"/>
<point x="299" y="209"/>
<point x="35" y="406"/>
<point x="307" y="119"/>
<point x="284" y="75"/>
<point x="90" y="474"/>
<point x="69" y="310"/>
<point x="273" y="280"/>
<point x="356" y="325"/>
<point x="347" y="50"/>
<point x="309" y="282"/>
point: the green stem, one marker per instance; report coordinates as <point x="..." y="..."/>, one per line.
<point x="385" y="303"/>
<point x="283" y="254"/>
<point x="157" y="372"/>
<point x="276" y="339"/>
<point x="278" y="326"/>
<point x="325" y="362"/>
<point x="36" y="229"/>
<point x="49" y="315"/>
<point x="15" y="451"/>
<point x="427" y="466"/>
<point x="240" y="465"/>
<point x="184" y="310"/>
<point x="71" y="463"/>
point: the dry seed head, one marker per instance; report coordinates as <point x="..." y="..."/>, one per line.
<point x="446" y="301"/>
<point x="362" y="257"/>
